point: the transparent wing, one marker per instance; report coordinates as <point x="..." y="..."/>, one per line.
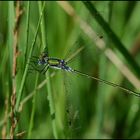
<point x="83" y="51"/>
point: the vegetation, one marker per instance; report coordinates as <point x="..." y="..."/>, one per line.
<point x="103" y="40"/>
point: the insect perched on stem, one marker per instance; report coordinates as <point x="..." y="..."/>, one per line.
<point x="51" y="62"/>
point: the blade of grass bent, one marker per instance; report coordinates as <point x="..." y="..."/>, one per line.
<point x="27" y="65"/>
<point x="113" y="37"/>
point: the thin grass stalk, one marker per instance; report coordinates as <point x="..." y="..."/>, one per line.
<point x="102" y="88"/>
<point x="14" y="69"/>
<point x="31" y="124"/>
<point x="33" y="109"/>
<point x="50" y="94"/>
<point x="27" y="30"/>
<point x="100" y="99"/>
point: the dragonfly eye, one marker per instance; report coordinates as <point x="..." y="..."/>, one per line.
<point x="40" y="62"/>
<point x="63" y="62"/>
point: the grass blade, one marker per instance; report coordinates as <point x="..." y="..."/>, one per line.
<point x="113" y="37"/>
<point x="27" y="65"/>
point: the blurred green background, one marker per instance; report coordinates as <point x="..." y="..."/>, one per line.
<point x="83" y="108"/>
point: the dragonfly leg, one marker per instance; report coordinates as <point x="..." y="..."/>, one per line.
<point x="43" y="68"/>
<point x="34" y="68"/>
<point x="47" y="67"/>
<point x="30" y="71"/>
<point x="35" y="63"/>
<point x="34" y="58"/>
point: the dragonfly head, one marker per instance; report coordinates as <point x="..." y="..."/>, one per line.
<point x="40" y="62"/>
<point x="43" y="60"/>
<point x="63" y="62"/>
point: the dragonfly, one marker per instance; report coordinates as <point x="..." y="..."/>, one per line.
<point x="47" y="62"/>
